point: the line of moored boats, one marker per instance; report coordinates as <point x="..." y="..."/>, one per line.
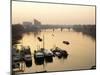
<point x="20" y="56"/>
<point x="40" y="56"/>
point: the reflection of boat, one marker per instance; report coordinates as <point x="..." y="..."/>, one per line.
<point x="59" y="52"/>
<point x="40" y="39"/>
<point x="39" y="57"/>
<point x="15" y="65"/>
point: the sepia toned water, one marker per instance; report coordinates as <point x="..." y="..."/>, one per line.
<point x="81" y="50"/>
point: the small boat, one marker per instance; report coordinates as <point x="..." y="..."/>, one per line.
<point x="39" y="57"/>
<point x="16" y="58"/>
<point x="56" y="51"/>
<point x="28" y="60"/>
<point x="16" y="55"/>
<point x="40" y="39"/>
<point x="48" y="55"/>
<point x="66" y="42"/>
<point x="27" y="56"/>
<point x="64" y="53"/>
<point x="59" y="52"/>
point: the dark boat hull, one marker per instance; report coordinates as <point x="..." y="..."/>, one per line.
<point x="28" y="63"/>
<point x="39" y="61"/>
<point x="48" y="59"/>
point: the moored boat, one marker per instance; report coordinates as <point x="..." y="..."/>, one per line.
<point x="27" y="56"/>
<point x="48" y="55"/>
<point x="15" y="54"/>
<point x="59" y="52"/>
<point x="28" y="60"/>
<point x="38" y="57"/>
<point x="66" y="42"/>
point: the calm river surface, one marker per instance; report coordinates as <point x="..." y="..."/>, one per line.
<point x="81" y="50"/>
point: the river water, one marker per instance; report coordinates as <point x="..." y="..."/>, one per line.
<point x="81" y="50"/>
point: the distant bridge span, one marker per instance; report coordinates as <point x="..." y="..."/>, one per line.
<point x="55" y="26"/>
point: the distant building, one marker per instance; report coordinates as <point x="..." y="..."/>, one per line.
<point x="36" y="22"/>
<point x="30" y="27"/>
<point x="27" y="23"/>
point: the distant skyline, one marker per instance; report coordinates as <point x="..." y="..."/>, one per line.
<point x="52" y="13"/>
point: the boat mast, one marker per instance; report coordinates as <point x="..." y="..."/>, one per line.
<point x="43" y="42"/>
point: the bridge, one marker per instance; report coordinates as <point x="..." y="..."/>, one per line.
<point x="53" y="27"/>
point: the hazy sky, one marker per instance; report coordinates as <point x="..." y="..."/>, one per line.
<point x="52" y="13"/>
